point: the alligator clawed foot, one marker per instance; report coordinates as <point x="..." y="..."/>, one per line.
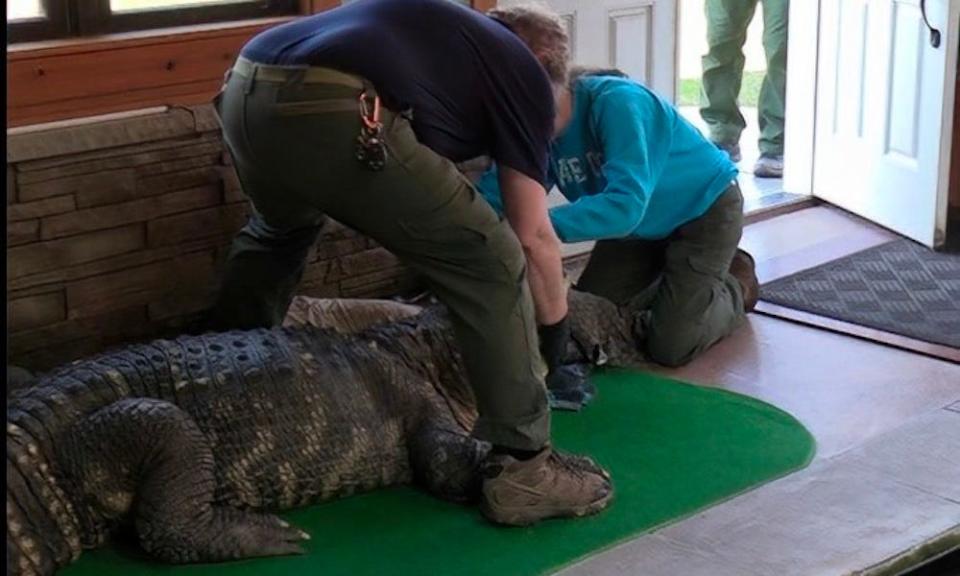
<point x="248" y="534"/>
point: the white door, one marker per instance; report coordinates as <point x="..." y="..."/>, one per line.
<point x="636" y="36"/>
<point x="884" y="111"/>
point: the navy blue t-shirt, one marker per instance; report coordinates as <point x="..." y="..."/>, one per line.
<point x="473" y="86"/>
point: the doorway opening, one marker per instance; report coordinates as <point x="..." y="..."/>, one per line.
<point x="760" y="193"/>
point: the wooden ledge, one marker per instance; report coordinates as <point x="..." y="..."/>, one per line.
<point x="73" y="46"/>
<point x="81" y="77"/>
<point x="59" y="80"/>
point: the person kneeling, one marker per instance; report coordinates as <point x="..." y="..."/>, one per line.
<point x="663" y="205"/>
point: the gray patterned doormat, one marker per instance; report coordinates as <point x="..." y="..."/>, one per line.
<point x="899" y="287"/>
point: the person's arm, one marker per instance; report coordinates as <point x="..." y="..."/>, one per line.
<point x="636" y="137"/>
<point x="489" y="187"/>
<point x="525" y="206"/>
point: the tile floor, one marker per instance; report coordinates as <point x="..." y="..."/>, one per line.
<point x="883" y="484"/>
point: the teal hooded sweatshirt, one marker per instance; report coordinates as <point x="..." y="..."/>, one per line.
<point x="629" y="164"/>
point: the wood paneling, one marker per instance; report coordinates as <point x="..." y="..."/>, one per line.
<point x="56" y="81"/>
<point x="312" y="6"/>
<point x="59" y="80"/>
<point x="483" y="5"/>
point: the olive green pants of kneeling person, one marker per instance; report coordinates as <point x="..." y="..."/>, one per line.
<point x="293" y="146"/>
<point x="682" y="283"/>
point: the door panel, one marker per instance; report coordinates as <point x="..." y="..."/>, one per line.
<point x="884" y="98"/>
<point x="851" y="51"/>
<point x="633" y="57"/>
<point x="909" y="36"/>
<point x="637" y="36"/>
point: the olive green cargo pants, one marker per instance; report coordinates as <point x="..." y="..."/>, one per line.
<point x="682" y="284"/>
<point x="727" y="22"/>
<point x="293" y="145"/>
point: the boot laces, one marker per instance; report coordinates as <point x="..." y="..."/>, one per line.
<point x="569" y="464"/>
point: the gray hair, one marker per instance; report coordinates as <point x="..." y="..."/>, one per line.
<point x="544" y="32"/>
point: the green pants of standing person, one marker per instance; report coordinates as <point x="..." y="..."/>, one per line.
<point x="727" y="23"/>
<point x="682" y="284"/>
<point x="293" y="143"/>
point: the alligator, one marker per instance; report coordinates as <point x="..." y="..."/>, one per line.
<point x="194" y="443"/>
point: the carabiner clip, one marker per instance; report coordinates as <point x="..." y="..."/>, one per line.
<point x="371" y="118"/>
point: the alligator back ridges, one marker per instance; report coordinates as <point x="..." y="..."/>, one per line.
<point x="284" y="417"/>
<point x="199" y="432"/>
<point x="43" y="530"/>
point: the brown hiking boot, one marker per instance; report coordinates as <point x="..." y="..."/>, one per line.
<point x="549" y="485"/>
<point x="744" y="269"/>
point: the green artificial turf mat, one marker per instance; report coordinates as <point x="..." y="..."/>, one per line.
<point x="672" y="448"/>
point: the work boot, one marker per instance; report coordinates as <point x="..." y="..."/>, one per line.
<point x="769" y="166"/>
<point x="731" y="148"/>
<point x="744" y="269"/>
<point x="549" y="485"/>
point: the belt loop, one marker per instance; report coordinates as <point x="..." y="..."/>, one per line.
<point x="249" y="80"/>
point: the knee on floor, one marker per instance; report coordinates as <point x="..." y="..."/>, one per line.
<point x="672" y="350"/>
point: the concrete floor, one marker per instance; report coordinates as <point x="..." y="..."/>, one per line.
<point x="882" y="491"/>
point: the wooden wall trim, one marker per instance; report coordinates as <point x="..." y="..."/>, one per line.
<point x="80" y="77"/>
<point x="60" y="80"/>
<point x="67" y="46"/>
<point x="313" y="6"/>
<point x="483" y="5"/>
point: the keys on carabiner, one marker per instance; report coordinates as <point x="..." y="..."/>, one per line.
<point x="371" y="150"/>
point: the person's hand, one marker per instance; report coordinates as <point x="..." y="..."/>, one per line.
<point x="569" y="387"/>
<point x="554" y="339"/>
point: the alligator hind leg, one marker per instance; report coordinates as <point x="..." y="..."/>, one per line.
<point x="446" y="462"/>
<point x="148" y="457"/>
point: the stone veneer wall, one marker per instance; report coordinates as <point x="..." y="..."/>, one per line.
<point x="116" y="231"/>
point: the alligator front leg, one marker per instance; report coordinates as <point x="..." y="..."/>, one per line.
<point x="148" y="457"/>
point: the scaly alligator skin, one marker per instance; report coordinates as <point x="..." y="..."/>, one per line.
<point x="193" y="441"/>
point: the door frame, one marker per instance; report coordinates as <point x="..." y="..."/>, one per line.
<point x="801" y="105"/>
